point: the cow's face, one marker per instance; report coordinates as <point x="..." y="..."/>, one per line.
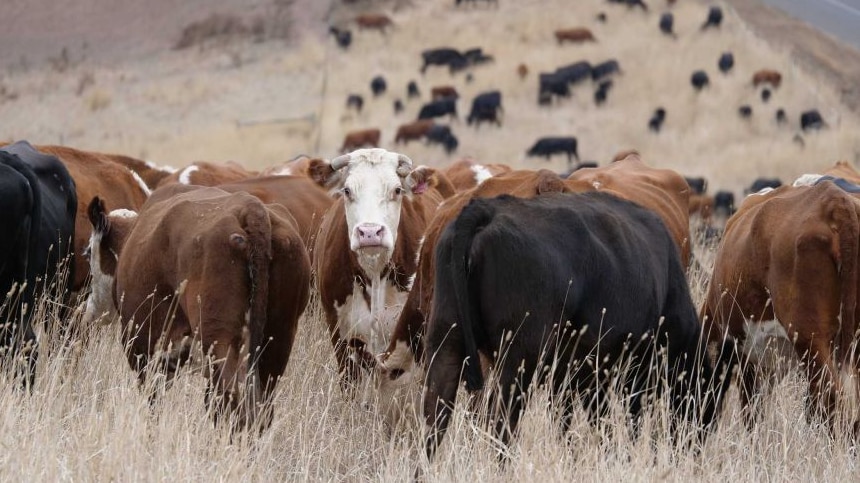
<point x="372" y="184"/>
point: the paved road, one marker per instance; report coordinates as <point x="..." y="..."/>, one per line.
<point x="839" y="18"/>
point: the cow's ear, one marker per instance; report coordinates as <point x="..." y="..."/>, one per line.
<point x="549" y="182"/>
<point x="322" y="173"/>
<point x="420" y="179"/>
<point x="98" y="216"/>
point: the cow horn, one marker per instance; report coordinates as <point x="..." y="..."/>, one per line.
<point x="404" y="165"/>
<point x="340" y="161"/>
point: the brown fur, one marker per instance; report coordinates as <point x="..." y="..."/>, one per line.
<point x="522" y="71"/>
<point x="210" y="174"/>
<point x="463" y="178"/>
<point x="442" y="92"/>
<point x="575" y="35"/>
<point x="767" y="76"/>
<point x="361" y="139"/>
<point x="842" y="169"/>
<point x="413" y="130"/>
<point x="373" y="21"/>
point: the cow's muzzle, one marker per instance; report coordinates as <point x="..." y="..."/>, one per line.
<point x="370" y="235"/>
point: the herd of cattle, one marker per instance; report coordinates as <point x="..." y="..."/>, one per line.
<point x="435" y="275"/>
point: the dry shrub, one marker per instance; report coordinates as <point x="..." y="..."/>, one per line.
<point x="215" y="26"/>
<point x="97" y="100"/>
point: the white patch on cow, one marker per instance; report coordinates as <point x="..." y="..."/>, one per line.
<point x="761" y="192"/>
<point x="285" y="171"/>
<point x="596" y="185"/>
<point x="767" y="345"/>
<point x="122" y="213"/>
<point x="418" y="253"/>
<point x="808" y="179"/>
<point x="141" y="183"/>
<point x="410" y="282"/>
<point x="100" y="302"/>
<point x="481" y="173"/>
<point x="185" y="175"/>
<point x="169" y="169"/>
<point x="357" y="321"/>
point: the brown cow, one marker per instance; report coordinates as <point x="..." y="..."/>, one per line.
<point x="204" y="173"/>
<point x="522" y="71"/>
<point x="466" y="173"/>
<point x="443" y="92"/>
<point x="297" y="166"/>
<point x="575" y="35"/>
<point x="365" y="252"/>
<point x="841" y="169"/>
<point x="787" y="266"/>
<point x="373" y="21"/>
<point x="361" y="139"/>
<point x="202" y="266"/>
<point x="767" y="76"/>
<point x="701" y="206"/>
<point x="413" y="130"/>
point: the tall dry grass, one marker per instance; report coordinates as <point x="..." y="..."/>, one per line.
<point x="87" y="420"/>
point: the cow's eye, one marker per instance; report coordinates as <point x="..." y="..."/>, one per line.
<point x="398" y="191"/>
<point x="347" y="193"/>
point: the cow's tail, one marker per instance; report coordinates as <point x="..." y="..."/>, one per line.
<point x="848" y="231"/>
<point x="473" y="218"/>
<point x="258" y="228"/>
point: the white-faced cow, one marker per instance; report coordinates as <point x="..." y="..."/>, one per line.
<point x="365" y="252"/>
<point x="200" y="265"/>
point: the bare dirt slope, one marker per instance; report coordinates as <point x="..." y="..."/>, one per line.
<point x="264" y="102"/>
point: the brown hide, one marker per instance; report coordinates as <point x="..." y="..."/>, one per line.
<point x="209" y="174"/>
<point x="462" y="175"/>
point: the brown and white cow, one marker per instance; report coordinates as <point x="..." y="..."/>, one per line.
<point x="466" y="173"/>
<point x="204" y="173"/>
<point x="365" y="252"/>
<point x="297" y="166"/>
<point x="787" y="267"/>
<point x="202" y="266"/>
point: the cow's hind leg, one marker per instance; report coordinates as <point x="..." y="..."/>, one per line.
<point x="442" y="381"/>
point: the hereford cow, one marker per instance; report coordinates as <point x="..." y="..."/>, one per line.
<point x="373" y="21"/>
<point x="204" y="173"/>
<point x="202" y="266"/>
<point x="297" y="166"/>
<point x="359" y="139"/>
<point x="413" y="130"/>
<point x="365" y="252"/>
<point x="787" y="267"/>
<point x="39" y="202"/>
<point x="767" y="76"/>
<point x="466" y="173"/>
<point x="575" y="35"/>
<point x="605" y="267"/>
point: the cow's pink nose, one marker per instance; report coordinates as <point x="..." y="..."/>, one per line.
<point x="370" y="234"/>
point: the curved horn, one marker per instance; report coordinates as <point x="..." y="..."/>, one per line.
<point x="404" y="165"/>
<point x="340" y="161"/>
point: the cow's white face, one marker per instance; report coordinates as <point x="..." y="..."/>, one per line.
<point x="100" y="303"/>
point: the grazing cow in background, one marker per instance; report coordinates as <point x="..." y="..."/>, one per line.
<point x="343" y="37"/>
<point x="787" y="267"/>
<point x="602" y="91"/>
<point x="699" y="80"/>
<point x="745" y="111"/>
<point x="441" y="134"/>
<point x="355" y="101"/>
<point x="715" y="17"/>
<point x="466" y="173"/>
<point x="724" y="203"/>
<point x="203" y="173"/>
<point x="575" y="35"/>
<point x="610" y="290"/>
<point x="373" y="21"/>
<point x="198" y="264"/>
<point x="378" y="85"/>
<point x="548" y="146"/>
<point x="726" y="62"/>
<point x="656" y="121"/>
<point x="698" y="185"/>
<point x="667" y="21"/>
<point x="443" y="92"/>
<point x="811" y="120"/>
<point x="552" y="84"/>
<point x="412" y="90"/>
<point x="485" y="107"/>
<point x="477" y="56"/>
<point x="475" y="2"/>
<point x="39" y="202"/>
<point x="359" y="139"/>
<point x="365" y="252"/>
<point x="413" y="130"/>
<point x="605" y="69"/>
<point x="767" y="76"/>
<point x="439" y="108"/>
<point x="765" y="95"/>
<point x="780" y="116"/>
<point x="443" y="56"/>
<point x="522" y="71"/>
<point x="398" y="106"/>
<point x="601" y="17"/>
<point x="575" y="73"/>
<point x="763" y="183"/>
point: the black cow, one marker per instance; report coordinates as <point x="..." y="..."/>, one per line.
<point x="604" y="69"/>
<point x="724" y="203"/>
<point x="745" y="111"/>
<point x="602" y="91"/>
<point x="726" y="62"/>
<point x="438" y="108"/>
<point x="656" y="121"/>
<point x="552" y="84"/>
<point x="574" y="73"/>
<point x="458" y="2"/>
<point x="811" y="120"/>
<point x="667" y="21"/>
<point x="781" y="118"/>
<point x="378" y="85"/>
<point x="548" y="146"/>
<point x="601" y="17"/>
<point x="443" y="56"/>
<point x="765" y="95"/>
<point x="485" y="107"/>
<point x="477" y="56"/>
<point x="715" y="17"/>
<point x="632" y="3"/>
<point x="441" y="134"/>
<point x="343" y="37"/>
<point x="761" y="183"/>
<point x="607" y="305"/>
<point x="412" y="90"/>
<point x="698" y="185"/>
<point x="355" y="101"/>
<point x="699" y="80"/>
<point x="39" y="203"/>
<point x="398" y="106"/>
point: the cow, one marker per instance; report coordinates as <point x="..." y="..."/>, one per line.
<point x="485" y="107"/>
<point x="702" y="206"/>
<point x="765" y="95"/>
<point x="355" y="101"/>
<point x="552" y="84"/>
<point x="361" y="138"/>
<point x="439" y="108"/>
<point x="576" y="72"/>
<point x="373" y="21"/>
<point x="398" y="106"/>
<point x="698" y="185"/>
<point x="378" y="85"/>
<point x="475" y="2"/>
<point x="204" y="173"/>
<point x="787" y="267"/>
<point x="762" y="183"/>
<point x="522" y="71"/>
<point x="39" y="203"/>
<point x="724" y="203"/>
<point x="96" y="174"/>
<point x="811" y="119"/>
<point x="202" y="269"/>
<point x="601" y="293"/>
<point x="656" y="121"/>
<point x="667" y="21"/>
<point x="466" y="173"/>
<point x="343" y="37"/>
<point x="842" y="169"/>
<point x="149" y="172"/>
<point x="443" y="56"/>
<point x="714" y="19"/>
<point x="476" y="56"/>
<point x="745" y="111"/>
<point x="699" y="80"/>
<point x="780" y="116"/>
<point x="767" y="76"/>
<point x="602" y="91"/>
<point x="365" y="252"/>
<point x="575" y="35"/>
<point x="443" y="92"/>
<point x="412" y="90"/>
<point x="726" y="62"/>
<point x="297" y="166"/>
<point x="413" y="130"/>
<point x="441" y="134"/>
<point x="605" y="69"/>
<point x="547" y="146"/>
